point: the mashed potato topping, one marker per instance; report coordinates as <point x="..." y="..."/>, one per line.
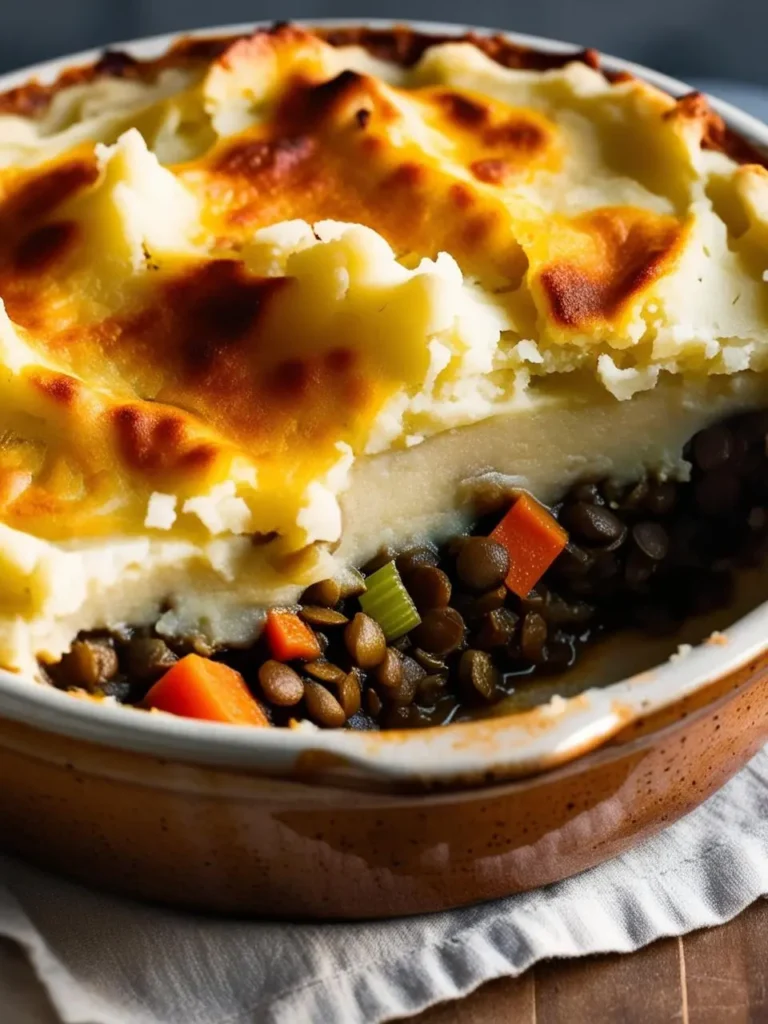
<point x="244" y="295"/>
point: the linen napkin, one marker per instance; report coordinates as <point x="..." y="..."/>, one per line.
<point x="105" y="960"/>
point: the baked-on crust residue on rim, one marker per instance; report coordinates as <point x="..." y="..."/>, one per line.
<point x="400" y="44"/>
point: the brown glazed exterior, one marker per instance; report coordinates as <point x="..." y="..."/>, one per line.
<point x="238" y="843"/>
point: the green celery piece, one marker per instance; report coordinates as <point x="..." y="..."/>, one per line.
<point x="388" y="602"/>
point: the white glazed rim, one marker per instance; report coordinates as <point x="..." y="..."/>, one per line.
<point x="513" y="745"/>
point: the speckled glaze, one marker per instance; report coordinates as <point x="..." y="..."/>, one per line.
<point x="239" y="843"/>
<point x="345" y="825"/>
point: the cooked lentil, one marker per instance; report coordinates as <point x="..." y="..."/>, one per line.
<point x="593" y="523"/>
<point x="414" y="558"/>
<point x="533" y="636"/>
<point x="373" y="702"/>
<point x="389" y="672"/>
<point x="482" y="564"/>
<point x="402" y="694"/>
<point x="661" y="497"/>
<point x="365" y="641"/>
<point x="322" y="707"/>
<point x="478" y="673"/>
<point x="430" y="688"/>
<point x="280" y="685"/>
<point x="326" y="593"/>
<point x="441" y="631"/>
<point x="90" y="664"/>
<point x="147" y="657"/>
<point x="428" y="586"/>
<point x="651" y="538"/>
<point x="324" y="671"/>
<point x="317" y="615"/>
<point x="428" y="661"/>
<point x="350" y="693"/>
<point x="497" y="629"/>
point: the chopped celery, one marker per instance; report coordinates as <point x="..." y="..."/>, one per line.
<point x="388" y="602"/>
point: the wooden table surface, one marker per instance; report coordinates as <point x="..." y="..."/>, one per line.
<point x="717" y="976"/>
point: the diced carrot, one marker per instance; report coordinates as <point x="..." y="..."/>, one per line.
<point x="200" y="688"/>
<point x="288" y="637"/>
<point x="533" y="539"/>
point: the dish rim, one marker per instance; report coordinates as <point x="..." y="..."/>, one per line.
<point x="507" y="746"/>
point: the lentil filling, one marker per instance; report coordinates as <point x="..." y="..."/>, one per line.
<point x="645" y="556"/>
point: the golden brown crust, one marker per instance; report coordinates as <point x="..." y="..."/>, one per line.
<point x="623" y="251"/>
<point x="177" y="351"/>
<point x="44" y="246"/>
<point x="327" y="154"/>
<point x="38" y="194"/>
<point x="155" y="441"/>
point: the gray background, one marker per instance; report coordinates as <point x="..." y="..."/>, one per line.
<point x="693" y="39"/>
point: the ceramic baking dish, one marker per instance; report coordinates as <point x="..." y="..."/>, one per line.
<point x="345" y="824"/>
